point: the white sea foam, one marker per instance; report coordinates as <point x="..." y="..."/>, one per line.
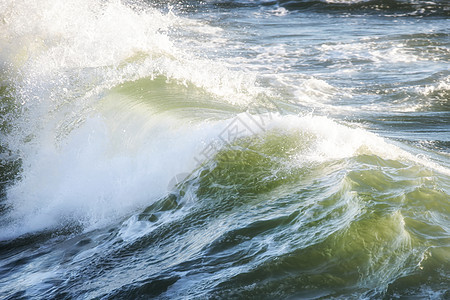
<point x="279" y="11"/>
<point x="441" y="87"/>
<point x="368" y="49"/>
<point x="48" y="38"/>
<point x="99" y="174"/>
<point x="79" y="162"/>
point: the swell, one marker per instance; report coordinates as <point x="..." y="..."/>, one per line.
<point x="254" y="221"/>
<point x="326" y="233"/>
<point x="397" y="8"/>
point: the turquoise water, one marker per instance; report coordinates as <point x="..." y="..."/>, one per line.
<point x="224" y="149"/>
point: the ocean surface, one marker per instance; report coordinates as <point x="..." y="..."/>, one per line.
<point x="221" y="149"/>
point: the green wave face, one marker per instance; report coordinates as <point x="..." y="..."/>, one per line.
<point x="268" y="226"/>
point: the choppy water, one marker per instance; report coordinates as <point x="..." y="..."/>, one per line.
<point x="225" y="149"/>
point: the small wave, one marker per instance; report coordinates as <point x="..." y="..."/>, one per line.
<point x="395" y="8"/>
<point x="386" y="7"/>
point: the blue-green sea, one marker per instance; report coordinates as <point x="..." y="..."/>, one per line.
<point x="225" y="149"/>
